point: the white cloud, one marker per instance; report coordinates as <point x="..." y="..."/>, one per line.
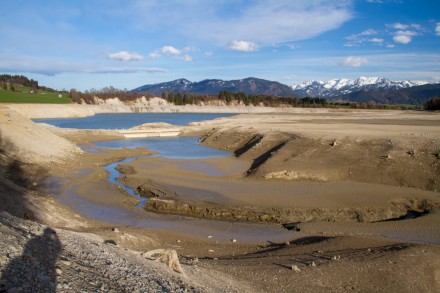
<point x="125" y="56"/>
<point x="391" y="46"/>
<point x="375" y="1"/>
<point x="173" y="51"/>
<point x="293" y="47"/>
<point x="404" y="37"/>
<point x="170" y="50"/>
<point x="209" y="53"/>
<point x="376" y="40"/>
<point x="399" y="26"/>
<point x="187" y="58"/>
<point x="437" y="29"/>
<point x="243" y="46"/>
<point x="166" y="50"/>
<point x="154" y="55"/>
<point x="406" y="32"/>
<point x="353" y="62"/>
<point x="362" y="37"/>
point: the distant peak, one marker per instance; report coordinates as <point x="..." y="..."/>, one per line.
<point x="341" y="86"/>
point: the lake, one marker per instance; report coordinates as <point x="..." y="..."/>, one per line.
<point x="128" y="120"/>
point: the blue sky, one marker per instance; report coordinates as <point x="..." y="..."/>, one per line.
<point x="87" y="44"/>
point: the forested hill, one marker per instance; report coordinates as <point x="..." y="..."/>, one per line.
<point x="22" y="80"/>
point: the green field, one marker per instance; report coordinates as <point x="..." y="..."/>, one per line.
<point x="22" y="95"/>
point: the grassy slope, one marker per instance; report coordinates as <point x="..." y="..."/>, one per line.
<point x="22" y="95"/>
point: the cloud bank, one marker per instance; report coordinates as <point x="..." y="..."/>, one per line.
<point x="53" y="67"/>
<point x="264" y="22"/>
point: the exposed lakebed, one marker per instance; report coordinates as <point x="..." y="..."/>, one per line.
<point x="186" y="148"/>
<point x="98" y="200"/>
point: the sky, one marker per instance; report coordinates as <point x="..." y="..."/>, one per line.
<point x="91" y="44"/>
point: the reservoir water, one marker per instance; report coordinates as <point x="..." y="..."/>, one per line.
<point x="185" y="147"/>
<point x="128" y="120"/>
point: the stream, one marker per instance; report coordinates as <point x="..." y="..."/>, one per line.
<point x="186" y="148"/>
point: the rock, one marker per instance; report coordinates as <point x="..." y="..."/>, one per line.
<point x="333" y="144"/>
<point x="411" y="152"/>
<point x="15" y="290"/>
<point x="116" y="230"/>
<point x="313" y="264"/>
<point x="292" y="226"/>
<point x="58" y="271"/>
<point x="166" y="256"/>
<point x="65" y="262"/>
<point x="295" y="269"/>
<point x="234" y="240"/>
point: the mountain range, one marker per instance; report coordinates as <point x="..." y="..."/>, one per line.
<point x="363" y="89"/>
<point x="251" y="85"/>
<point x="337" y="88"/>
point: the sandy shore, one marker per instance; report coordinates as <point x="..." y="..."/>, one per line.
<point x="339" y="173"/>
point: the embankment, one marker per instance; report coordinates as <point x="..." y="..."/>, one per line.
<point x="142" y="105"/>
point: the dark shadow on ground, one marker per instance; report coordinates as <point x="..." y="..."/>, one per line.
<point x="17" y="179"/>
<point x="35" y="269"/>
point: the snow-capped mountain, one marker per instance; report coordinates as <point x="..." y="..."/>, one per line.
<point x="339" y="87"/>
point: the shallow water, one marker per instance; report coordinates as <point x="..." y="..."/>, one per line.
<point x="128" y="120"/>
<point x="181" y="147"/>
<point x="114" y="174"/>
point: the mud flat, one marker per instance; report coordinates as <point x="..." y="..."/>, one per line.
<point x="341" y="174"/>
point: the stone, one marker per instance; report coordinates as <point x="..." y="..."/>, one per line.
<point x="116" y="230"/>
<point x="165" y="256"/>
<point x="58" y="271"/>
<point x="295" y="269"/>
<point x="65" y="262"/>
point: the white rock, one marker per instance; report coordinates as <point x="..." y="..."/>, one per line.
<point x="166" y="256"/>
<point x="296" y="269"/>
